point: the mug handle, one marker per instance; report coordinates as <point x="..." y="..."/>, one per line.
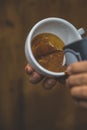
<point x="81" y="31"/>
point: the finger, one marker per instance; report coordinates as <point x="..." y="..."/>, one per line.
<point x="78" y="67"/>
<point x="49" y="83"/>
<point x="28" y="69"/>
<point x="79" y="92"/>
<point x="77" y="80"/>
<point x="35" y="77"/>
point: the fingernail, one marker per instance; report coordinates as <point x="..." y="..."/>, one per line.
<point x="29" y="70"/>
<point x="35" y="77"/>
<point x="50" y="83"/>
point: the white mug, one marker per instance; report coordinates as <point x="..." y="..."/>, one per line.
<point x="61" y="28"/>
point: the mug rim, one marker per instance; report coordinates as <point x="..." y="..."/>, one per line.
<point x="33" y="61"/>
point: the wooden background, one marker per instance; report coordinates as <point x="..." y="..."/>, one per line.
<point x="24" y="106"/>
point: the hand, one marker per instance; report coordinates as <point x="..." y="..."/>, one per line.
<point x="77" y="82"/>
<point x="36" y="78"/>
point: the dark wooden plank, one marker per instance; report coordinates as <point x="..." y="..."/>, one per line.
<point x="24" y="106"/>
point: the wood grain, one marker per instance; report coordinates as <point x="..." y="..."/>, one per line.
<point x="24" y="106"/>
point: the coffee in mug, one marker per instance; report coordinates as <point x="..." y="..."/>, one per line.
<point x="53" y="27"/>
<point x="47" y="48"/>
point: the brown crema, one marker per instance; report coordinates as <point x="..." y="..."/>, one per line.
<point x="47" y="48"/>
